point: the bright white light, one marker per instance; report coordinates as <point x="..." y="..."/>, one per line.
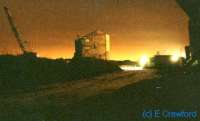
<point x="143" y="60"/>
<point x="37" y="55"/>
<point x="174" y="58"/>
<point x="87" y="40"/>
<point x="130" y="68"/>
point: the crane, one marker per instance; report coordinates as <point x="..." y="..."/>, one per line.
<point x="22" y="43"/>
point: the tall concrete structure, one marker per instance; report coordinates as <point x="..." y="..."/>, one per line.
<point x="192" y="9"/>
<point x="95" y="45"/>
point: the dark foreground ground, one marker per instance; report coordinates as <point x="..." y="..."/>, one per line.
<point x="30" y="72"/>
<point x="121" y="96"/>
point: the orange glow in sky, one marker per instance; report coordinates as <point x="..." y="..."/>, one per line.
<point x="136" y="27"/>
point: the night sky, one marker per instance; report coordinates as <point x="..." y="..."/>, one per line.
<point x="136" y="27"/>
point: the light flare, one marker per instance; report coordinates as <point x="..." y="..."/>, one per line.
<point x="175" y="58"/>
<point x="144" y="60"/>
<point x="130" y="68"/>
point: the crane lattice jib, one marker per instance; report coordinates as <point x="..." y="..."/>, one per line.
<point x="15" y="31"/>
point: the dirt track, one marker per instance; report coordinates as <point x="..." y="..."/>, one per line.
<point x="84" y="88"/>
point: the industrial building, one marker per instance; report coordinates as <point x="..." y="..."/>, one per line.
<point x="95" y="45"/>
<point x="191" y="8"/>
<point x="167" y="61"/>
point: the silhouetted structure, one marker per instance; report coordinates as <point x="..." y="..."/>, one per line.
<point x="192" y="8"/>
<point x="163" y="61"/>
<point x="187" y="53"/>
<point x="95" y="45"/>
<point x="22" y="43"/>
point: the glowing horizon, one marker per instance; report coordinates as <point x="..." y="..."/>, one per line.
<point x="135" y="28"/>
